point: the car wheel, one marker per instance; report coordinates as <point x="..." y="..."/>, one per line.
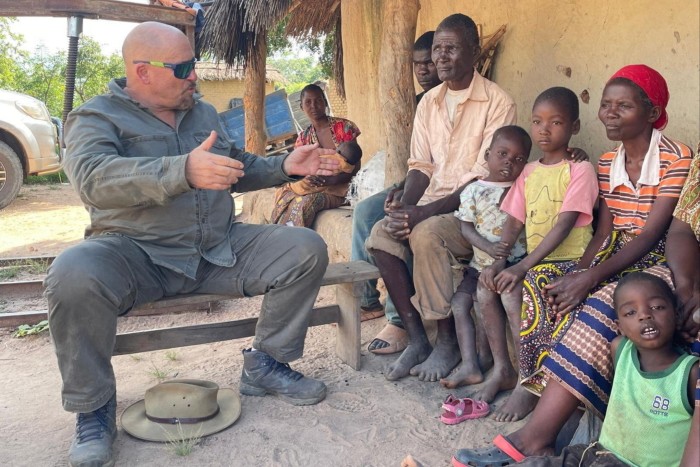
<point x="11" y="175"/>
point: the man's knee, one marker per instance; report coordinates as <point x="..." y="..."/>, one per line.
<point x="308" y="246"/>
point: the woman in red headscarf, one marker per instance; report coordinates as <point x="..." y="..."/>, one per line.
<point x="639" y="183"/>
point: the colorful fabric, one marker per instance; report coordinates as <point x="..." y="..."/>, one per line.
<point x="479" y="205"/>
<point x="342" y="130"/>
<point x="303" y="187"/>
<point x="580" y="356"/>
<point x="542" y="191"/>
<point x="649" y="412"/>
<point x="652" y="83"/>
<point x="298" y="203"/>
<point x="451" y="155"/>
<point x="688" y="207"/>
<point x="630" y="206"/>
<point x="301" y="210"/>
<point x="539" y="325"/>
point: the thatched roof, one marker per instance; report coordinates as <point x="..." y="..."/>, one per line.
<point x="310" y="18"/>
<point x="210" y="71"/>
<point x="233" y="26"/>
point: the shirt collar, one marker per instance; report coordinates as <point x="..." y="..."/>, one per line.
<point x="476" y="90"/>
<point x="650" y="167"/>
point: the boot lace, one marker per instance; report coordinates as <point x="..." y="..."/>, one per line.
<point x="93" y="425"/>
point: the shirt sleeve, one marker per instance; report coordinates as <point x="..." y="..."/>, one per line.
<point x="675" y="175"/>
<point x="514" y="202"/>
<point x="582" y="192"/>
<point x="467" y="206"/>
<point x="421" y="158"/>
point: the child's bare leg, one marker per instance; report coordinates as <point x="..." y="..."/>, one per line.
<point x="503" y="376"/>
<point x="444" y="357"/>
<point x="521" y="401"/>
<point x="483" y="350"/>
<point x="468" y="372"/>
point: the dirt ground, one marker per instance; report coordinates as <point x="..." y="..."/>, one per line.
<point x="364" y="421"/>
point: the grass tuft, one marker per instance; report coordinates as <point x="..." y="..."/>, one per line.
<point x="183" y="447"/>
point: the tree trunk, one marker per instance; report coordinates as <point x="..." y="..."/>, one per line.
<point x="254" y="97"/>
<point x="396" y="91"/>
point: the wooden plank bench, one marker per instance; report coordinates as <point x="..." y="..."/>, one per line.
<point x="346" y="277"/>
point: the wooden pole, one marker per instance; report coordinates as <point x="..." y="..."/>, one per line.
<point x="254" y="97"/>
<point x="396" y="92"/>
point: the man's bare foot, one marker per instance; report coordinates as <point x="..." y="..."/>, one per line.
<point x="520" y="403"/>
<point x="463" y="376"/>
<point x="499" y="380"/>
<point x="438" y="365"/>
<point x="413" y="355"/>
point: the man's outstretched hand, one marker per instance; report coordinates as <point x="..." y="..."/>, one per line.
<point x="306" y="160"/>
<point x="210" y="171"/>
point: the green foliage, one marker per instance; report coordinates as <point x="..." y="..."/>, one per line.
<point x="42" y="74"/>
<point x="49" y="179"/>
<point x="283" y="54"/>
<point x="11" y="54"/>
<point x="9" y="272"/>
<point x="25" y="330"/>
<point x="298" y="71"/>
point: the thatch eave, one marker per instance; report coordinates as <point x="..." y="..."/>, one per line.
<point x="212" y="71"/>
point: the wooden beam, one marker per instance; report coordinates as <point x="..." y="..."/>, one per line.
<point x="168" y="338"/>
<point x="112" y="10"/>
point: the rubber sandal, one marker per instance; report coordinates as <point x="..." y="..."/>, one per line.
<point x="501" y="453"/>
<point x="396" y="337"/>
<point x="458" y="410"/>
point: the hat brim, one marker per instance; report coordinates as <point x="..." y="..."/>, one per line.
<point x="135" y="423"/>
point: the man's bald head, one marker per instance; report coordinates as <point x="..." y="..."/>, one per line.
<point x="153" y="86"/>
<point x="154" y="41"/>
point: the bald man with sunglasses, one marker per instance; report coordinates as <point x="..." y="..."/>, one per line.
<point x="155" y="170"/>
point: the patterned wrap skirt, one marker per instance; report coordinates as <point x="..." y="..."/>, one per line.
<point x="580" y="358"/>
<point x="300" y="210"/>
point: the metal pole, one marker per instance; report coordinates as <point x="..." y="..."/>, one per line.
<point x="75" y="28"/>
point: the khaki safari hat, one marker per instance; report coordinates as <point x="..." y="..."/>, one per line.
<point x="182" y="409"/>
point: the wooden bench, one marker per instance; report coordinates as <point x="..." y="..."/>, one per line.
<point x="346" y="277"/>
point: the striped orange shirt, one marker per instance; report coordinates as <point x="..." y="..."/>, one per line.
<point x="630" y="210"/>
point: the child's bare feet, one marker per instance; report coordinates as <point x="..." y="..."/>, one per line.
<point x="463" y="376"/>
<point x="499" y="380"/>
<point x="485" y="361"/>
<point x="441" y="361"/>
<point x="520" y="403"/>
<point x="409" y="358"/>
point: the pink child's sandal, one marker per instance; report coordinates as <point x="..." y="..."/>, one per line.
<point x="458" y="410"/>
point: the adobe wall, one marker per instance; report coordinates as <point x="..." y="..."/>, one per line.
<point x="546" y="39"/>
<point x="220" y="92"/>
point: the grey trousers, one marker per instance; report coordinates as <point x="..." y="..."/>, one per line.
<point x="92" y="283"/>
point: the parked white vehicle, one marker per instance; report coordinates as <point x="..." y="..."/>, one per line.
<point x="29" y="142"/>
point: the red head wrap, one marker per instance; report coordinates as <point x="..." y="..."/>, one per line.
<point x="652" y="83"/>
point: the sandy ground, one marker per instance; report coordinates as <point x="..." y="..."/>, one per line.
<point x="364" y="421"/>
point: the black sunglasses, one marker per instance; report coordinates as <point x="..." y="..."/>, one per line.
<point x="180" y="70"/>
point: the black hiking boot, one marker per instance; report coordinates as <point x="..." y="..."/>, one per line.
<point x="263" y="374"/>
<point x="95" y="433"/>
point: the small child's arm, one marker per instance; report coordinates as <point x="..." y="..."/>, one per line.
<point x="477" y="240"/>
<point x="511" y="230"/>
<point x="513" y="276"/>
<point x="691" y="454"/>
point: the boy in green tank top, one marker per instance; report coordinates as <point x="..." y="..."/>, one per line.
<point x="650" y="412"/>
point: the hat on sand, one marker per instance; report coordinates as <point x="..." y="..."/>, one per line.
<point x="182" y="409"/>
